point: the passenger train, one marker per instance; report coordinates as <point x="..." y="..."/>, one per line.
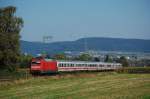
<point x="42" y="65"/>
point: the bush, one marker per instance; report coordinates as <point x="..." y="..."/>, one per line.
<point x="25" y="61"/>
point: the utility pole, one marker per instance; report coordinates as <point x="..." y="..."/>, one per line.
<point x="85" y="44"/>
<point x="46" y="39"/>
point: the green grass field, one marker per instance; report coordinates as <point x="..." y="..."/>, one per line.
<point x="79" y="86"/>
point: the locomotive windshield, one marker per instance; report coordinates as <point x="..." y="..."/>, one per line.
<point x="36" y="63"/>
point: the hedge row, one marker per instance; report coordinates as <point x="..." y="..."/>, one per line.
<point x="134" y="70"/>
<point x="19" y="74"/>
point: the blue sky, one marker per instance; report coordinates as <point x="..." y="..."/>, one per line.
<point x="67" y="20"/>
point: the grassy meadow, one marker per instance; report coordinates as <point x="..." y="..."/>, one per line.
<point x="102" y="85"/>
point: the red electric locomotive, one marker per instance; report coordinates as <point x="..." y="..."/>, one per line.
<point x="42" y="65"/>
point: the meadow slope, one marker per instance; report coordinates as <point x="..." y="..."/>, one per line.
<point x="79" y="86"/>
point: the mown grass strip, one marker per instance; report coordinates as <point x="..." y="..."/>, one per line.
<point x="86" y="86"/>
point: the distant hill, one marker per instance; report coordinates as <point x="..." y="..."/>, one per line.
<point x="93" y="43"/>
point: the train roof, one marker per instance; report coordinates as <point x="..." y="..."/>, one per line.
<point x="80" y="62"/>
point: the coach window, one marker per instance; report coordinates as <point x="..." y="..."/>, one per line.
<point x="68" y="65"/>
<point x="83" y="65"/>
<point x="93" y="65"/>
<point x="63" y="65"/>
<point x="90" y="65"/>
<point x="73" y="65"/>
<point x="59" y="65"/>
<point x="108" y="65"/>
<point x="76" y="65"/>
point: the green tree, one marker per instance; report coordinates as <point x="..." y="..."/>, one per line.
<point x="85" y="57"/>
<point x="124" y="61"/>
<point x="108" y="59"/>
<point x="25" y="61"/>
<point x="10" y="26"/>
<point x="60" y="57"/>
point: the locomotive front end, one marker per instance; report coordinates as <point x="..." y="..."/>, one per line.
<point x="35" y="66"/>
